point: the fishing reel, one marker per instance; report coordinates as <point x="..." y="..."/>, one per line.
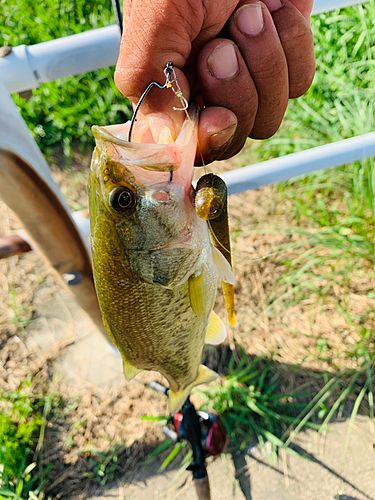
<point x="213" y="434"/>
<point x="203" y="430"/>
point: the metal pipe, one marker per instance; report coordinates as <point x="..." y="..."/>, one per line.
<point x="327" y="5"/>
<point x="253" y="177"/>
<point x="26" y="67"/>
<point x="296" y="164"/>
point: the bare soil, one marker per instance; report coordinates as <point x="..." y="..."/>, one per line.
<point x="312" y="333"/>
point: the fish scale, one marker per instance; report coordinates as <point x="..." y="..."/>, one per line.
<point x="151" y="312"/>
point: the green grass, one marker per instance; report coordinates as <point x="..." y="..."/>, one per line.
<point x="23" y="420"/>
<point x="61" y="113"/>
<point x="334" y="211"/>
<point x="340" y="103"/>
<point x="104" y="466"/>
<point x="253" y="405"/>
<point x="334" y="208"/>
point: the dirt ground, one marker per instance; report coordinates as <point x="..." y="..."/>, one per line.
<point x="40" y="327"/>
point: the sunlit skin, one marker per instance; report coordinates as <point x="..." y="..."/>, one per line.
<point x="241" y="60"/>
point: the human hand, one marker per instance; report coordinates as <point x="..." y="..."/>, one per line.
<point x="243" y="59"/>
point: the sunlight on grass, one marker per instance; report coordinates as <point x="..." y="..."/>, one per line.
<point x="253" y="406"/>
<point x="62" y="112"/>
<point x="331" y="245"/>
<point x="23" y="419"/>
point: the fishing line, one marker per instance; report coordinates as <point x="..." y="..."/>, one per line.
<point x="143" y="96"/>
<point x="118" y="14"/>
<point x="215" y="238"/>
<point x="206" y="171"/>
<point x="171" y="82"/>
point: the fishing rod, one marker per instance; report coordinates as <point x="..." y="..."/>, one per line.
<point x="205" y="433"/>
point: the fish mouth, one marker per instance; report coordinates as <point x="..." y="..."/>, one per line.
<point x="119" y="134"/>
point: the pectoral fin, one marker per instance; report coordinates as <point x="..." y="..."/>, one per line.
<point x="197" y="294"/>
<point x="130" y="371"/>
<point x="216" y="331"/>
<point x="177" y="398"/>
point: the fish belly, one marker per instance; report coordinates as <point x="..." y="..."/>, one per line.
<point x="155" y="328"/>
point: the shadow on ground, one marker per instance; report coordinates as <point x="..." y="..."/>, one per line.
<point x="334" y="467"/>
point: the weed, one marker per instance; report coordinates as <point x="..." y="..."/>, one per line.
<point x="61" y="112"/>
<point x="104" y="466"/>
<point x="23" y="419"/>
<point x="22" y="313"/>
<point x="335" y="209"/>
<point x="253" y="406"/>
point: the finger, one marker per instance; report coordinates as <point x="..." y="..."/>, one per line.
<point x="297" y="41"/>
<point x="225" y="81"/>
<point x="216" y="129"/>
<point x="254" y="32"/>
<point x="153" y="35"/>
<point x="304" y="6"/>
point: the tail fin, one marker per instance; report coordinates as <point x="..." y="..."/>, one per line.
<point x="130" y="371"/>
<point x="177" y="398"/>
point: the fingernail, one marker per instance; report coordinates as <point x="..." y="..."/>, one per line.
<point x="222" y="62"/>
<point x="249" y="19"/>
<point x="221" y="138"/>
<point x="273" y="5"/>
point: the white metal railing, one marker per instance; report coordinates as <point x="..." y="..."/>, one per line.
<point x="301" y="163"/>
<point x="27" y="67"/>
<point x="327" y="5"/>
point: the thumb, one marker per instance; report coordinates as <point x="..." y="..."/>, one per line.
<point x="154" y="33"/>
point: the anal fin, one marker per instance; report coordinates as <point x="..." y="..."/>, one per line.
<point x="130" y="371"/>
<point x="216" y="331"/>
<point x="177" y="398"/>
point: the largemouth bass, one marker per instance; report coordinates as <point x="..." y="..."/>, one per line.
<point x="156" y="271"/>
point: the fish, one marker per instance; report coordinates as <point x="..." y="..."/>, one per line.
<point x="155" y="268"/>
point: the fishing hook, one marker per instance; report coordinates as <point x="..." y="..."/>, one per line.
<point x="171" y="82"/>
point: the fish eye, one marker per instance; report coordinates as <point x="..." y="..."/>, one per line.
<point x="122" y="199"/>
